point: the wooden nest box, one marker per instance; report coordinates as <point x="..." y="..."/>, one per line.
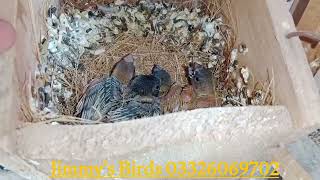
<point x="214" y="134"/>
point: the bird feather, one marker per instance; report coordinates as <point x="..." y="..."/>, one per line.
<point x="134" y="109"/>
<point x="100" y="97"/>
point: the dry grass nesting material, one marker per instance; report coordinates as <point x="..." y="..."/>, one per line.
<point x="232" y="87"/>
<point x="149" y="52"/>
<point x="211" y="7"/>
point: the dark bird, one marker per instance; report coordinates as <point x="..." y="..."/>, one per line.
<point x="103" y="95"/>
<point x="164" y="77"/>
<point x="144" y="85"/>
<point x="141" y="100"/>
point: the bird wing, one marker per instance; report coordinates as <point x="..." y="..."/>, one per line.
<point x="100" y="97"/>
<point x="135" y="109"/>
<point x="171" y="102"/>
<point x="89" y="87"/>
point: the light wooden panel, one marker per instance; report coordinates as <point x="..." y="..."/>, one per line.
<point x="13" y="68"/>
<point x="252" y="130"/>
<point x="310" y="22"/>
<point x="317" y="80"/>
<point x="290" y="169"/>
<point x="262" y="26"/>
<point x="8" y="97"/>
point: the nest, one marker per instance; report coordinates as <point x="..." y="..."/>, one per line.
<point x="236" y="85"/>
<point x="148" y="50"/>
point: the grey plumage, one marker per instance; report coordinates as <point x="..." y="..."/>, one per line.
<point x="136" y="108"/>
<point x="105" y="94"/>
<point x="101" y="97"/>
<point x="142" y="100"/>
<point x="109" y="100"/>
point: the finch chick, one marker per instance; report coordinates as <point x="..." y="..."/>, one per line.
<point x="141" y="100"/>
<point x="124" y="70"/>
<point x="198" y="94"/>
<point x="135" y="108"/>
<point x="144" y="85"/>
<point x="202" y="83"/>
<point x="201" y="79"/>
<point x="165" y="79"/>
<point x="171" y="102"/>
<point x="103" y="95"/>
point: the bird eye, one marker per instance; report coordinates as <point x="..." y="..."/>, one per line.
<point x="157" y="87"/>
<point x="197" y="79"/>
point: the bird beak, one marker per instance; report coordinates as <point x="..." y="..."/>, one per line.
<point x="156" y="68"/>
<point x="129" y="58"/>
<point x="191" y="71"/>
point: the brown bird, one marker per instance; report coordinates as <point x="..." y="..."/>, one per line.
<point x="202" y="88"/>
<point x="103" y="95"/>
<point x="201" y="79"/>
<point x="124" y="70"/>
<point x="198" y="94"/>
<point x="172" y="101"/>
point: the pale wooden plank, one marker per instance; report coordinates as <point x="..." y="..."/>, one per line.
<point x="290" y="169"/>
<point x="306" y="153"/>
<point x="252" y="130"/>
<point x="317" y="80"/>
<point x="19" y="166"/>
<point x="263" y="27"/>
<point x="310" y="22"/>
<point x="305" y="90"/>
<point x="8" y="107"/>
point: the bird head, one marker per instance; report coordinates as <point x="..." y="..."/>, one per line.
<point x="144" y="85"/>
<point x="124" y="70"/>
<point x="201" y="79"/>
<point x="164" y="77"/>
<point x="129" y="58"/>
